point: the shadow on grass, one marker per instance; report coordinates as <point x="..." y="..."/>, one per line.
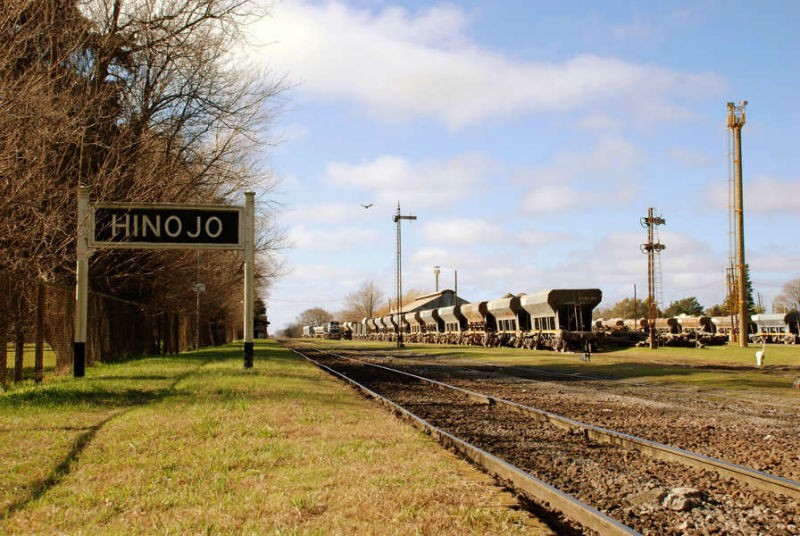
<point x="59" y="472"/>
<point x="103" y="389"/>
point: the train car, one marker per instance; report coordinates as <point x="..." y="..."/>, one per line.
<point x="612" y="324"/>
<point x="331" y="330"/>
<point x="512" y="321"/>
<point x="390" y="327"/>
<point x="727" y="326"/>
<point x="698" y="331"/>
<point x="480" y="323"/>
<point x="308" y="331"/>
<point x="723" y="325"/>
<point x="372" y="329"/>
<point x="403" y="323"/>
<point x="416" y="326"/>
<point x="434" y="325"/>
<point x="695" y="324"/>
<point x="346" y="330"/>
<point x="640" y="325"/>
<point x="455" y="323"/>
<point x="775" y="328"/>
<point x="667" y="326"/>
<point x="561" y="318"/>
<point x="361" y="331"/>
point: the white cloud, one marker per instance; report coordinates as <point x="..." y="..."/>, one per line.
<point x="331" y="238"/>
<point x="402" y="64"/>
<point x="465" y="232"/>
<point x="426" y="184"/>
<point x="762" y="194"/>
<point x="322" y="213"/>
<point x="602" y="176"/>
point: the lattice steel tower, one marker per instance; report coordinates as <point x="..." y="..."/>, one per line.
<point x="735" y="121"/>
<point x="653" y="249"/>
<point x="397" y="219"/>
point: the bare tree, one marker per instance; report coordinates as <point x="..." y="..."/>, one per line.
<point x="789" y="299"/>
<point x="140" y="100"/>
<point x="364" y="302"/>
<point x="314" y="317"/>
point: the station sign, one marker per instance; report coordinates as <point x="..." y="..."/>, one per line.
<point x="116" y="225"/>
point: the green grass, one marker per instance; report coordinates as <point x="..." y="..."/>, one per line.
<point x="29" y="353"/>
<point x="723" y="368"/>
<point x="196" y="444"/>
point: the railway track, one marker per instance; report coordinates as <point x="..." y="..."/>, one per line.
<point x="606" y="481"/>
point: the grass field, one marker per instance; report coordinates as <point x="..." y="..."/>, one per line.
<point x="194" y="444"/>
<point x="727" y="368"/>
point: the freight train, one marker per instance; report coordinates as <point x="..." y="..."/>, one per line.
<point x="684" y="330"/>
<point x="556" y="319"/>
<point x="329" y="330"/>
<point x="776" y="328"/>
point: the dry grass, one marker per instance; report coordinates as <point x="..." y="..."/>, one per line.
<point x="197" y="445"/>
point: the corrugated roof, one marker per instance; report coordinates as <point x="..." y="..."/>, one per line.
<point x="444" y="298"/>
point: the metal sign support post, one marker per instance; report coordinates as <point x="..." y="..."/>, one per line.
<point x="82" y="285"/>
<point x="249" y="276"/>
<point x="162" y="226"/>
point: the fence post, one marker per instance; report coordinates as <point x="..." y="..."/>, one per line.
<point x="19" y="346"/>
<point x="38" y="366"/>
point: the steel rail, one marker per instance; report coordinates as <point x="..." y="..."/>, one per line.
<point x="758" y="479"/>
<point x="532" y="487"/>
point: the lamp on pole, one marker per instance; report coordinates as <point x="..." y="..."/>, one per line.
<point x="437" y="270"/>
<point x="735" y="121"/>
<point x="397" y="218"/>
<point x="198" y="288"/>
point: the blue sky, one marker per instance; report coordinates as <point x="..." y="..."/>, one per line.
<point x="529" y="138"/>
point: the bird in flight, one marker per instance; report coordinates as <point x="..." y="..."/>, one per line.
<point x="366" y="206"/>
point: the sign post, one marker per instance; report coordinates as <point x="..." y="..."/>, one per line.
<point x="82" y="285"/>
<point x="162" y="226"/>
<point x="249" y="277"/>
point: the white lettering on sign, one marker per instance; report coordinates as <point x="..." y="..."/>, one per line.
<point x="147" y="223"/>
<point x="196" y="232"/>
<point x="175" y="229"/>
<point x="208" y="226"/>
<point x="116" y="226"/>
<point x="165" y="226"/>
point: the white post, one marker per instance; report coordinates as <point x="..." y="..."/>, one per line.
<point x="81" y="284"/>
<point x="249" y="276"/>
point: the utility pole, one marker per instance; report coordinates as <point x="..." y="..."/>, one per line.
<point x="735" y="122"/>
<point x="397" y="218"/>
<point x="652" y="248"/>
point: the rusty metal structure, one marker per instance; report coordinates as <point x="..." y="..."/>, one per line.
<point x="735" y="120"/>
<point x="397" y="219"/>
<point x="653" y="249"/>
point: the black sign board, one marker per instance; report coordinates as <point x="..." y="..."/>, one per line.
<point x="165" y="226"/>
